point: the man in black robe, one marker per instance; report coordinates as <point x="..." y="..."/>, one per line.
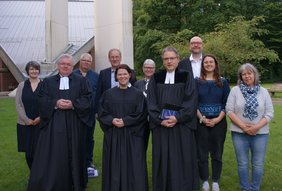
<point x="172" y="104"/>
<point x="124" y="159"/>
<point x="60" y="158"/>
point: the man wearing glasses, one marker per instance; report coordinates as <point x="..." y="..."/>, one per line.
<point x="172" y="105"/>
<point x="85" y="65"/>
<point x="193" y="63"/>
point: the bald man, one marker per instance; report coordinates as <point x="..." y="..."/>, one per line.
<point x="193" y="63"/>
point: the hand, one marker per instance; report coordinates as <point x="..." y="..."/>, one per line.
<point x="64" y="104"/>
<point x="251" y="129"/>
<point x="169" y="122"/>
<point x="29" y="122"/>
<point x="211" y="122"/>
<point x="118" y="122"/>
<point x="36" y="121"/>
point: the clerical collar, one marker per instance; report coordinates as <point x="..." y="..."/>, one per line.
<point x="128" y="85"/>
<point x="64" y="83"/>
<point x="169" y="78"/>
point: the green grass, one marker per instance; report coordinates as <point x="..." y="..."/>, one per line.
<point x="14" y="171"/>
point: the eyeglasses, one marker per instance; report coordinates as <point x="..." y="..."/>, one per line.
<point x="66" y="64"/>
<point x="149" y="68"/>
<point x="196" y="43"/>
<point x="168" y="59"/>
<point x="86" y="60"/>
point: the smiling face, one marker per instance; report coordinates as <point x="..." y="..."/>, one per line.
<point x="33" y="72"/>
<point x="122" y="77"/>
<point x="170" y="61"/>
<point x="148" y="70"/>
<point x="248" y="78"/>
<point x="196" y="45"/>
<point x="65" y="66"/>
<point x="209" y="64"/>
<point x="115" y="58"/>
<point x="85" y="63"/>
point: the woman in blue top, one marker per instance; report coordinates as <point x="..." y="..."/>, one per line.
<point x="213" y="91"/>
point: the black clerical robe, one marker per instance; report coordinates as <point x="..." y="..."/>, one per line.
<point x="124" y="161"/>
<point x="60" y="158"/>
<point x="174" y="149"/>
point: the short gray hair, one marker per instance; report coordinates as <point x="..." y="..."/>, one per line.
<point x="170" y="49"/>
<point x="63" y="56"/>
<point x="86" y="55"/>
<point x="112" y="50"/>
<point x="251" y="68"/>
<point x="150" y="62"/>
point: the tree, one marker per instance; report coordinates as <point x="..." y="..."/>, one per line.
<point x="273" y="39"/>
<point x="234" y="43"/>
<point x="150" y="45"/>
<point x="230" y="29"/>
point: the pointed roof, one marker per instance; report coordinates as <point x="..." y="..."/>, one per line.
<point x="22" y="29"/>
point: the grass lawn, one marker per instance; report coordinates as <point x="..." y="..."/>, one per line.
<point x="14" y="171"/>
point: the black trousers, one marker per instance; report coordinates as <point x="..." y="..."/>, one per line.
<point x="210" y="141"/>
<point x="90" y="144"/>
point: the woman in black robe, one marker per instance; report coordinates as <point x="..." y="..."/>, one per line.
<point x="172" y="104"/>
<point x="122" y="117"/>
<point x="60" y="157"/>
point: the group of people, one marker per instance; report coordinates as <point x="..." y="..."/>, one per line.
<point x="184" y="107"/>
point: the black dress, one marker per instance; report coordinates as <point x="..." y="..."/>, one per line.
<point x="174" y="149"/>
<point x="28" y="134"/>
<point x="124" y="161"/>
<point x="60" y="158"/>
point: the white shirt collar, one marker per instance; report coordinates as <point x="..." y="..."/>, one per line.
<point x="128" y="85"/>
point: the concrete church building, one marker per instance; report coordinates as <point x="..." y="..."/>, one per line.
<point x="42" y="30"/>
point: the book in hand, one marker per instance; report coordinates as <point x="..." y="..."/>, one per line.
<point x="170" y="110"/>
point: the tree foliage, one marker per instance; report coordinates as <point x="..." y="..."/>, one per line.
<point x="150" y="45"/>
<point x="233" y="30"/>
<point x="234" y="43"/>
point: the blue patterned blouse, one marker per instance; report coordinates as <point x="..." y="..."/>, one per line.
<point x="211" y="98"/>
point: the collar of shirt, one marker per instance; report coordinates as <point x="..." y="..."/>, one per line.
<point x="128" y="85"/>
<point x="195" y="61"/>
